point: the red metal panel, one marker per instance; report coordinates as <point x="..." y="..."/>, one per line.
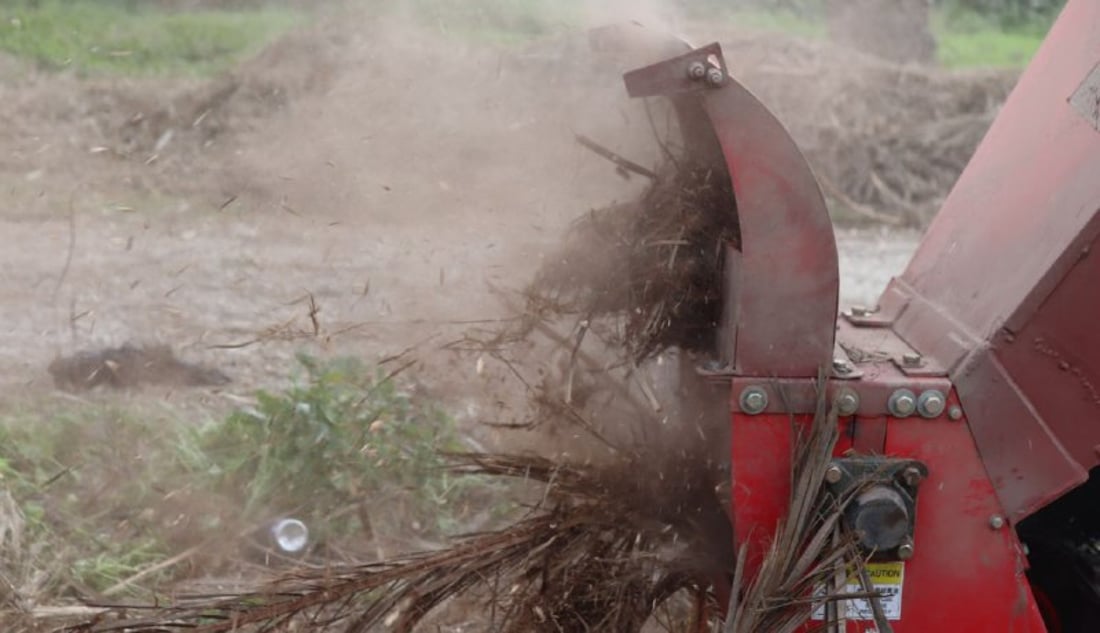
<point x="788" y="285"/>
<point x="966" y="576"/>
<point x="1058" y="354"/>
<point x="784" y="293"/>
<point x="1027" y="462"/>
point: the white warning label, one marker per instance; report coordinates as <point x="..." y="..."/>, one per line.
<point x="887" y="579"/>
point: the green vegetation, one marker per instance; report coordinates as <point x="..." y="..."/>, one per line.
<point x="106" y="491"/>
<point x="345" y="435"/>
<point x="969" y="39"/>
<point x="124" y="36"/>
<point x="109" y="36"/>
<point x="501" y="21"/>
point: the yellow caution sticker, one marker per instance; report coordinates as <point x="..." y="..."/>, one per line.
<point x="887" y="579"/>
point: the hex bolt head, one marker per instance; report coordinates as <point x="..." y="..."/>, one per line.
<point x="906" y="551"/>
<point x="833" y="474"/>
<point x="931" y="404"/>
<point x="996" y="521"/>
<point x="754" y="400"/>
<point x="912" y="476"/>
<point x="847" y="402"/>
<point x="911" y="360"/>
<point x="715" y="76"/>
<point x="955" y="413"/>
<point x="697" y="70"/>
<point x="902" y="403"/>
<point x="860" y="311"/>
<point x="842" y="366"/>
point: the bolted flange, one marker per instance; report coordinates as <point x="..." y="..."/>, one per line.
<point x="931" y="404"/>
<point x="902" y="403"/>
<point x="754" y="400"/>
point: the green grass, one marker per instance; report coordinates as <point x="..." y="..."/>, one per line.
<point x="775" y="22"/>
<point x="108" y="487"/>
<point x="95" y="36"/>
<point x="966" y="40"/>
<point x="494" y="21"/>
<point x="970" y="40"/>
<point x="120" y="36"/>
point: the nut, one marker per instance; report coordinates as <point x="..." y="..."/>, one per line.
<point x="754" y="400"/>
<point x="902" y="403"/>
<point x="697" y="70"/>
<point x="860" y="311"/>
<point x="715" y="76"/>
<point x="931" y="404"/>
<point x="842" y="366"/>
<point x="847" y="402"/>
<point x="833" y="474"/>
<point x="996" y="521"/>
<point x="911" y="360"/>
<point x="955" y="413"/>
<point x="912" y="476"/>
<point x="906" y="551"/>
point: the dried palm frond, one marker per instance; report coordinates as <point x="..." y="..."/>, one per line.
<point x="807" y="563"/>
<point x="604" y="550"/>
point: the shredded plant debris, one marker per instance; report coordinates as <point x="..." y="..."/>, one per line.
<point x="654" y="264"/>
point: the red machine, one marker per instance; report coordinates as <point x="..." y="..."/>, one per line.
<point x="970" y="395"/>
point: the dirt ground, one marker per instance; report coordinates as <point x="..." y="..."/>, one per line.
<point x="387" y="176"/>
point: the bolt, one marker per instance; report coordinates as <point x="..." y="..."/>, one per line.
<point x="902" y="403"/>
<point x="996" y="521"/>
<point x="912" y="476"/>
<point x="712" y="366"/>
<point x="955" y="413"/>
<point x="754" y="400"/>
<point x="931" y="404"/>
<point x="860" y="311"/>
<point x="842" y="366"/>
<point x="906" y="550"/>
<point x="833" y="474"/>
<point x="715" y="76"/>
<point x="697" y="70"/>
<point x="847" y="402"/>
<point x="911" y="360"/>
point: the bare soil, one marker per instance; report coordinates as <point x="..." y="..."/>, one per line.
<point x="348" y="191"/>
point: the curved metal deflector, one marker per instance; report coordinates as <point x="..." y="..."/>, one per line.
<point x="782" y="284"/>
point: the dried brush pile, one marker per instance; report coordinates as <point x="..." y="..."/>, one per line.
<point x="652" y="266"/>
<point x="887" y="141"/>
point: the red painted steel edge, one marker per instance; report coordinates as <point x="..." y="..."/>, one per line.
<point x="966" y="576"/>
